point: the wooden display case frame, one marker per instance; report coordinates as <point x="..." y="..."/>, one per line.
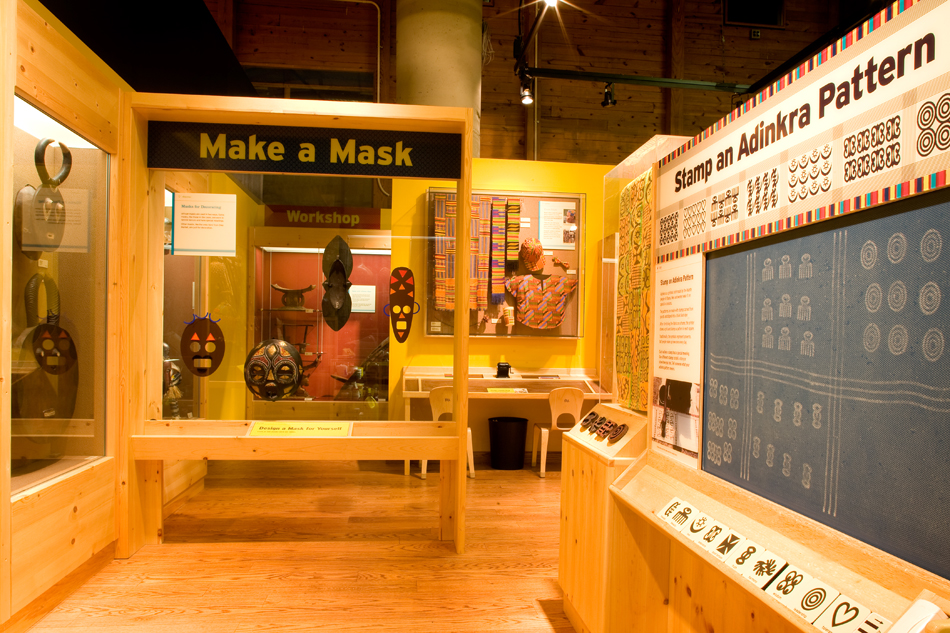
<point x="687" y="589"/>
<point x="144" y="440"/>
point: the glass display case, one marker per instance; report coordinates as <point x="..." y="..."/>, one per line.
<point x="526" y="263"/>
<point x="57" y="351"/>
<point x="348" y="364"/>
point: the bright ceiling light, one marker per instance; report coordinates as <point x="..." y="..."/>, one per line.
<point x="550" y="3"/>
<point x="526" y="97"/>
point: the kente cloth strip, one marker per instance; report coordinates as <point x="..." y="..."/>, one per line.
<point x="484" y="249"/>
<point x="514" y="232"/>
<point x="633" y="291"/>
<point x="473" y="253"/>
<point x="445" y="212"/>
<point x="541" y="303"/>
<point x="450" y="218"/>
<point x="441" y="246"/>
<point x="498" y="250"/>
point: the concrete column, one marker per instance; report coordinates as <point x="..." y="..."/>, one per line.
<point x="439" y="55"/>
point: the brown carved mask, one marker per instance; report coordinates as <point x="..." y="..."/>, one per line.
<point x="53" y="349"/>
<point x="272" y="370"/>
<point x="402" y="304"/>
<point x="202" y="346"/>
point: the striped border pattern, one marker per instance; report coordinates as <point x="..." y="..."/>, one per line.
<point x="852" y="37"/>
<point x="850" y="205"/>
<point x="888" y="194"/>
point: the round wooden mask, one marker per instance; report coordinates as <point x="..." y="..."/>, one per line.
<point x="202" y="346"/>
<point x="53" y="349"/>
<point x="273" y="370"/>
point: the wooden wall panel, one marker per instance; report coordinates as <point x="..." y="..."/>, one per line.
<point x="612" y="36"/>
<point x="180" y="475"/>
<point x="58" y="527"/>
<point x="633" y="39"/>
<point x="7" y="73"/>
<point x="303" y="34"/>
<point x="51" y="75"/>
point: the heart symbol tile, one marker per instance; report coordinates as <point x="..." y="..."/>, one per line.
<point x="846" y="613"/>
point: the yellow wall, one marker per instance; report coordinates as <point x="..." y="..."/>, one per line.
<point x="408" y="219"/>
<point x="228" y="300"/>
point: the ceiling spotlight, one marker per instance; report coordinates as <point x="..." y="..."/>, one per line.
<point x="551" y="3"/>
<point x="608" y="96"/>
<point x="527" y="96"/>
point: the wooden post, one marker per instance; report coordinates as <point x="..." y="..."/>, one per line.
<point x="675" y="124"/>
<point x="456" y="471"/>
<point x="8" y="74"/>
<point x="151" y="483"/>
<point x="156" y="295"/>
<point x="128" y="253"/>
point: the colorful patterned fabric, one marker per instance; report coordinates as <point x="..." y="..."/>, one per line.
<point x="498" y="250"/>
<point x="441" y="245"/>
<point x="532" y="254"/>
<point x="445" y="228"/>
<point x="541" y="303"/>
<point x="514" y="232"/>
<point x="450" y="219"/>
<point x="484" y="249"/>
<point x="473" y="220"/>
<point x="633" y="293"/>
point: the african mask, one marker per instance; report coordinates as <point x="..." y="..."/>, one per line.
<point x="202" y="346"/>
<point x="39" y="217"/>
<point x="272" y="370"/>
<point x="337" y="266"/>
<point x="402" y="303"/>
<point x="53" y="349"/>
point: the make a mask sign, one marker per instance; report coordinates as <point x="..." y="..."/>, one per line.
<point x="202" y="346"/>
<point x="273" y="370"/>
<point x="39" y="217"/>
<point x="402" y="304"/>
<point x="337" y="266"/>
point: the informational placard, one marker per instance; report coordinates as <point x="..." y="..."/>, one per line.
<point x="677" y="358"/>
<point x="76" y="233"/>
<point x="204" y="224"/>
<point x="287" y="428"/>
<point x="863" y="122"/>
<point x="363" y="298"/>
<point x="557" y="224"/>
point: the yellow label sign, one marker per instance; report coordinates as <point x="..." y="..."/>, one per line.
<point x="500" y="390"/>
<point x="285" y="428"/>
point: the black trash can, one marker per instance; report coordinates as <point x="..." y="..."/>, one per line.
<point x="507" y="438"/>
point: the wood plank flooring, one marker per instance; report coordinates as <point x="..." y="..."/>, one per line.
<point x="336" y="546"/>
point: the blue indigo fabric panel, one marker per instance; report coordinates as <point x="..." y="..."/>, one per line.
<point x="827" y="378"/>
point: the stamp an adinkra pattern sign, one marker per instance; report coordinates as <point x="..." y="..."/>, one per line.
<point x="303" y="150"/>
<point x="863" y="122"/>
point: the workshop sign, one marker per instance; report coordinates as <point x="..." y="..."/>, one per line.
<point x="307" y="217"/>
<point x="303" y="150"/>
<point x="863" y="122"/>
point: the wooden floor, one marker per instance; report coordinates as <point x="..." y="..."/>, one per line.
<point x="336" y="546"/>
